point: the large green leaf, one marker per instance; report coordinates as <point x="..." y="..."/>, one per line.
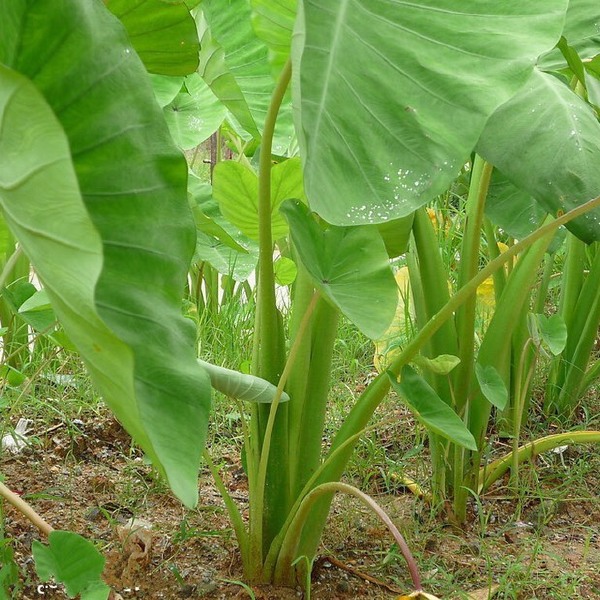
<point x="114" y="268"/>
<point x="235" y="187"/>
<point x="247" y="58"/>
<point x="349" y="265"/>
<point x="165" y="88"/>
<point x="430" y="409"/>
<point x="219" y="242"/>
<point x="512" y="209"/>
<point x="582" y="31"/>
<point x="162" y="33"/>
<point x="557" y="165"/>
<point x="68" y="256"/>
<point x="393" y="96"/>
<point x="273" y="22"/>
<point x="216" y="73"/>
<point x="195" y="114"/>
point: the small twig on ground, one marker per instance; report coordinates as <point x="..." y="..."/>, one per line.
<point x="344" y="567"/>
<point x="25" y="509"/>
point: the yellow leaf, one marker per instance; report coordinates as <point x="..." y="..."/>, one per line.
<point x="484" y="593"/>
<point x="399" y="327"/>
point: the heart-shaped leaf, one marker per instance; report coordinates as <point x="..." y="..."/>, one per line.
<point x="553" y="332"/>
<point x="235" y="187"/>
<point x="349" y="265"/>
<point x="70" y="559"/>
<point x="491" y="385"/>
<point x="285" y="271"/>
<point x="195" y="114"/>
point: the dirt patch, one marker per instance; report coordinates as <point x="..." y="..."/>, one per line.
<point x="90" y="479"/>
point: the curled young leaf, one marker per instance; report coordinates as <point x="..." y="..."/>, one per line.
<point x="440" y="365"/>
<point x="241" y="386"/>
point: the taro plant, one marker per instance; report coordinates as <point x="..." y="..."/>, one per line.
<point x="283" y="440"/>
<point x="87" y="172"/>
<point x="93" y="189"/>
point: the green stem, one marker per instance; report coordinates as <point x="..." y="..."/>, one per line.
<point x="583" y="331"/>
<point x="469" y="265"/>
<point x="523" y="356"/>
<point x="492" y="472"/>
<point x="256" y="517"/>
<point x="433" y="279"/>
<point x="521" y="391"/>
<point x="308" y="430"/>
<point x="262" y="468"/>
<point x="298" y="380"/>
<point x="310" y="484"/>
<point x="272" y="487"/>
<point x="542" y="294"/>
<point x="465" y="317"/>
<point x="572" y="279"/>
<point x="269" y="360"/>
<point x="232" y="510"/>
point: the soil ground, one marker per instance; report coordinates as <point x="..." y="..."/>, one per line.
<point x="87" y="477"/>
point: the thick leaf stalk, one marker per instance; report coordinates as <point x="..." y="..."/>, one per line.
<point x="271" y="499"/>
